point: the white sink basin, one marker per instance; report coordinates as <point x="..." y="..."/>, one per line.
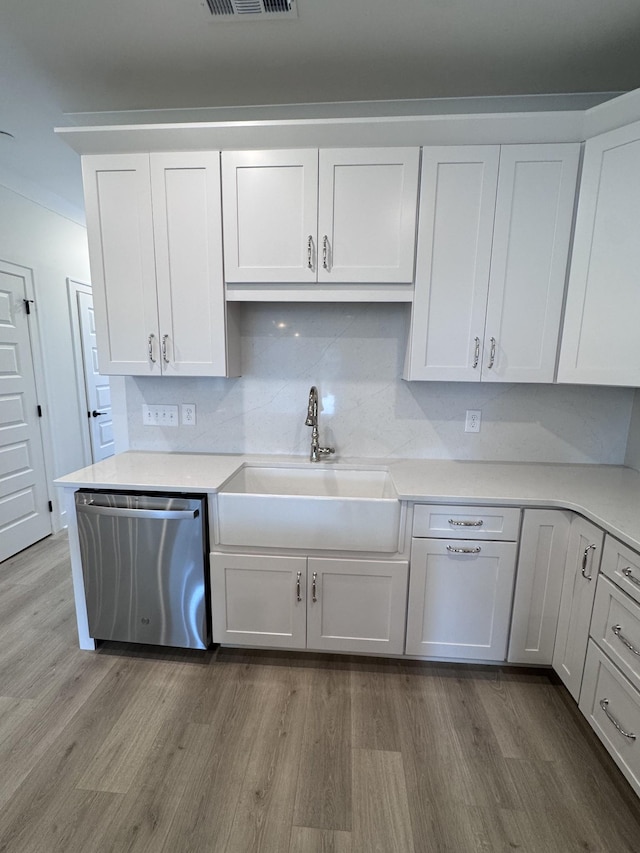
<point x="346" y="509"/>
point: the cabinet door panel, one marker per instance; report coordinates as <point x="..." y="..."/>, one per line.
<point x="460" y="603"/>
<point x="255" y="602"/>
<point x="120" y="234"/>
<point x="270" y="204"/>
<point x="541" y="560"/>
<point x="578" y="591"/>
<point x="188" y="240"/>
<point x="367" y="214"/>
<point x="360" y="605"/>
<point x="599" y="339"/>
<point x="457" y="203"/>
<point x="534" y="211"/>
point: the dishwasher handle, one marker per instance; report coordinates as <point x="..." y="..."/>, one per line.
<point x="121" y="512"/>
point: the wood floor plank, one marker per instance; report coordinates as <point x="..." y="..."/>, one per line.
<point x="381" y="822"/>
<point x="374" y="709"/>
<point x="323" y="795"/>
<point x="304" y="839"/>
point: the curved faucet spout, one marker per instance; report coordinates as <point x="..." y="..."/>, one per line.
<point x="312" y="408"/>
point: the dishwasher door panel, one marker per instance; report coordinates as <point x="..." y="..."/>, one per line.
<point x="143" y="566"/>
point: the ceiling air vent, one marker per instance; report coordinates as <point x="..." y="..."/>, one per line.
<point x="264" y="9"/>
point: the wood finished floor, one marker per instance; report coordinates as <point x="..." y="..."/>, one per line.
<point x="136" y="749"/>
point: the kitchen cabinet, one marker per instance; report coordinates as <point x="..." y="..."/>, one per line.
<point x="536" y="603"/>
<point x="584" y="551"/>
<point x="493" y="242"/>
<point x="330" y="604"/>
<point x="599" y="339"/>
<point x="460" y="589"/>
<point x="155" y="244"/>
<point x="334" y="215"/>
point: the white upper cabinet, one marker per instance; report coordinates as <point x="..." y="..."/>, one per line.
<point x="493" y="242"/>
<point x="155" y="242"/>
<point x="303" y="216"/>
<point x="600" y="335"/>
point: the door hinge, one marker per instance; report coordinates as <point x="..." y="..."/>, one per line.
<point x="50" y="506"/>
<point x="27" y="304"/>
<point x="39" y="411"/>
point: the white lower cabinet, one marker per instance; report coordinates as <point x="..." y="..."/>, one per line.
<point x="578" y="591"/>
<point x="460" y="598"/>
<point x="329" y="604"/>
<point x="536" y="601"/>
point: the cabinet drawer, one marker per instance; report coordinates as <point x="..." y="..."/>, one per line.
<point x="622" y="565"/>
<point x="466" y="522"/>
<point x="615" y="627"/>
<point x="612" y="706"/>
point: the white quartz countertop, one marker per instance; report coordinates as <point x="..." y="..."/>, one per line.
<point x="608" y="495"/>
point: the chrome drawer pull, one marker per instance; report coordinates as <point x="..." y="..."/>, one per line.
<point x="584" y="562"/>
<point x="464" y="550"/>
<point x="617" y="630"/>
<point x="164" y="349"/>
<point x="325" y="252"/>
<point x="466" y="523"/>
<point x="476" y="353"/>
<point x="492" y="353"/>
<point x="310" y="252"/>
<point x="298" y="596"/>
<point x="627" y="573"/>
<point x="603" y="704"/>
<point x="150" y="348"/>
<point x="314" y="587"/>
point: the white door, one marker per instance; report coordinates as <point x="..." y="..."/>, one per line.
<point x="356" y="605"/>
<point x="270" y="211"/>
<point x="534" y="212"/>
<point x="457" y="204"/>
<point x="24" y="510"/>
<point x="97" y="388"/>
<point x="367" y="200"/>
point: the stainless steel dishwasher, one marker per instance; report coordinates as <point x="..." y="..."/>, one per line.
<point x="143" y="562"/>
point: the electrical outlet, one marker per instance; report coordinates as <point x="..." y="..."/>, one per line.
<point x="472" y="422"/>
<point x="161" y="415"/>
<point x="188" y="414"/>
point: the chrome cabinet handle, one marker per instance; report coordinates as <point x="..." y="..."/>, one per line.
<point x="466" y="523"/>
<point x="314" y="587"/>
<point x="464" y="550"/>
<point x="617" y="630"/>
<point x="627" y="573"/>
<point x="325" y="252"/>
<point x="476" y="353"/>
<point x="310" y="252"/>
<point x="604" y="705"/>
<point x="150" y="348"/>
<point x="164" y="349"/>
<point x="585" y="557"/>
<point x="298" y="591"/>
<point x="492" y="353"/>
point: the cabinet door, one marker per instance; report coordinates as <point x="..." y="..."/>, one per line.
<point x="356" y="605"/>
<point x="578" y="591"/>
<point x="367" y="214"/>
<point x="600" y="335"/>
<point x="258" y="600"/>
<point x="541" y="560"/>
<point x="534" y="213"/>
<point x="457" y="204"/>
<point x="120" y="234"/>
<point x="460" y="598"/>
<point x="270" y="209"/>
<point x="188" y="243"/>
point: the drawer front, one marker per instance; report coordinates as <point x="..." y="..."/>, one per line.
<point x="612" y="706"/>
<point x="615" y="627"/>
<point x="622" y="565"/>
<point x="466" y="522"/>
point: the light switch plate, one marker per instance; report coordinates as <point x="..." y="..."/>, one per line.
<point x="163" y="414"/>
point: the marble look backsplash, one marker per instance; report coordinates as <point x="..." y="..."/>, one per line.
<point x="355" y="354"/>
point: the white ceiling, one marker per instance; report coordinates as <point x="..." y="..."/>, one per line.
<point x="70" y="56"/>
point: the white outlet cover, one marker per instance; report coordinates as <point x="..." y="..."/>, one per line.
<point x="188" y="414"/>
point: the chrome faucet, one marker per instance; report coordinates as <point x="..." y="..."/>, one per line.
<point x="312" y="420"/>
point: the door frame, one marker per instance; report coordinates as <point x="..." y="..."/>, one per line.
<point x="57" y="518"/>
<point x="73" y="288"/>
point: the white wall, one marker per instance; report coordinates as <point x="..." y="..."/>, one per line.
<point x="54" y="248"/>
<point x="354" y="354"/>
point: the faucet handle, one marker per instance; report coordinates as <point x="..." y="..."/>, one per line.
<point x="325" y="451"/>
